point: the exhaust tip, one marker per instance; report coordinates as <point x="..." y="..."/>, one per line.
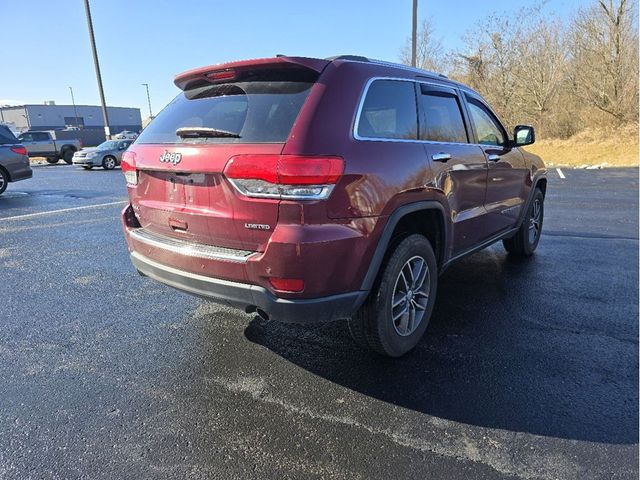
<point x="262" y="314"/>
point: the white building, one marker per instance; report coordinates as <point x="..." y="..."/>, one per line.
<point x="54" y="117"/>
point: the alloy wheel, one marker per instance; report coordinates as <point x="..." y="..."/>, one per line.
<point x="535" y="222"/>
<point x="410" y="296"/>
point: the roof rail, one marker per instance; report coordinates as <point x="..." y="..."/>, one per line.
<point x="407" y="67"/>
<point x="358" y="58"/>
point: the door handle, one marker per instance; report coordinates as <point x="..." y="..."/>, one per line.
<point x="441" y="157"/>
<point x="493" y="157"/>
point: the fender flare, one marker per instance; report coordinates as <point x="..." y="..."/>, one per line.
<point x="385" y="238"/>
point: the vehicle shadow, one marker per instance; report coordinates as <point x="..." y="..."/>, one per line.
<point x="500" y="352"/>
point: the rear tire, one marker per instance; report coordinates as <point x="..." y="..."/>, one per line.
<point x="52" y="160"/>
<point x="525" y="241"/>
<point x="109" y="162"/>
<point x="67" y="156"/>
<point x="396" y="314"/>
<point x="4" y="181"/>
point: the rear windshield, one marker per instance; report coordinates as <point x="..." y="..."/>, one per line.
<point x="6" y="136"/>
<point x="257" y="111"/>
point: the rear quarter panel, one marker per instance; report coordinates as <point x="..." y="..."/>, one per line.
<point x="379" y="176"/>
<point x="15" y="164"/>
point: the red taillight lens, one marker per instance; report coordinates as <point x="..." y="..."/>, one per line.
<point x="253" y="167"/>
<point x="284" y="176"/>
<point x="293" y="170"/>
<point x="287" y="284"/>
<point x="128" y="166"/>
<point x="19" y="150"/>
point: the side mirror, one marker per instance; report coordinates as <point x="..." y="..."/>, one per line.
<point x="523" y="135"/>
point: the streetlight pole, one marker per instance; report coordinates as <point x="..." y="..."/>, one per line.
<point x="105" y="116"/>
<point x="414" y="33"/>
<point x="75" y="112"/>
<point x="146" y="85"/>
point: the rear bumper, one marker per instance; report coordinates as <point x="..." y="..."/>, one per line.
<point x="251" y="297"/>
<point x="22" y="174"/>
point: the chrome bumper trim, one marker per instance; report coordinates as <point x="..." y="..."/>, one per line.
<point x="182" y="247"/>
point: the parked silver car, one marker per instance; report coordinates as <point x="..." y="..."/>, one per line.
<point x="126" y="135"/>
<point x="14" y="161"/>
<point x="106" y="155"/>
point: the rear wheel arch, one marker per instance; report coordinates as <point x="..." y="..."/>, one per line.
<point x="426" y="218"/>
<point x="429" y="223"/>
<point x="68" y="147"/>
<point x="67" y="152"/>
<point x="6" y="173"/>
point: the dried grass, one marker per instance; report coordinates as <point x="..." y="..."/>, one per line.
<point x="604" y="147"/>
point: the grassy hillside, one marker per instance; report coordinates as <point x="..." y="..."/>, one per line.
<point x="600" y="147"/>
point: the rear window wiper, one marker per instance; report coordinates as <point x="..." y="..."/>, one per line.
<point x="204" y="132"/>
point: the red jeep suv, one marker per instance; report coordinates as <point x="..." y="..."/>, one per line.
<point x="306" y="190"/>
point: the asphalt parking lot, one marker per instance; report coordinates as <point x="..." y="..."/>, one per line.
<point x="528" y="369"/>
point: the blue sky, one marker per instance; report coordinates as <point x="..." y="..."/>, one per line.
<point x="146" y="41"/>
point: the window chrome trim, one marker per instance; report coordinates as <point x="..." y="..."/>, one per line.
<point x="363" y="95"/>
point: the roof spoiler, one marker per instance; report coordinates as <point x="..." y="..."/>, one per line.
<point x="228" y="71"/>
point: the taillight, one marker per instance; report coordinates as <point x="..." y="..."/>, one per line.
<point x="19" y="150"/>
<point x="128" y="166"/>
<point x="294" y="177"/>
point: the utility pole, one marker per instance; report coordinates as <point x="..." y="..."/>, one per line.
<point x="75" y="112"/>
<point x="146" y="85"/>
<point x="414" y="33"/>
<point x="105" y="116"/>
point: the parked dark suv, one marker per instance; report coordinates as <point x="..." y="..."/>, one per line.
<point x="307" y="190"/>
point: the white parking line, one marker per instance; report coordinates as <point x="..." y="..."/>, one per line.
<point x="64" y="210"/>
<point x="560" y="173"/>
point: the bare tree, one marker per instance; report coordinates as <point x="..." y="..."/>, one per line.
<point x="489" y="62"/>
<point x="540" y="69"/>
<point x="429" y="51"/>
<point x="533" y="68"/>
<point x="604" y="48"/>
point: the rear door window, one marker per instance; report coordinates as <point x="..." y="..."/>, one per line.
<point x="260" y="110"/>
<point x="389" y="111"/>
<point x="443" y="120"/>
<point x="40" y="137"/>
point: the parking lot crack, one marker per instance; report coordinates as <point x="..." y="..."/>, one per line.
<point x="467" y="449"/>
